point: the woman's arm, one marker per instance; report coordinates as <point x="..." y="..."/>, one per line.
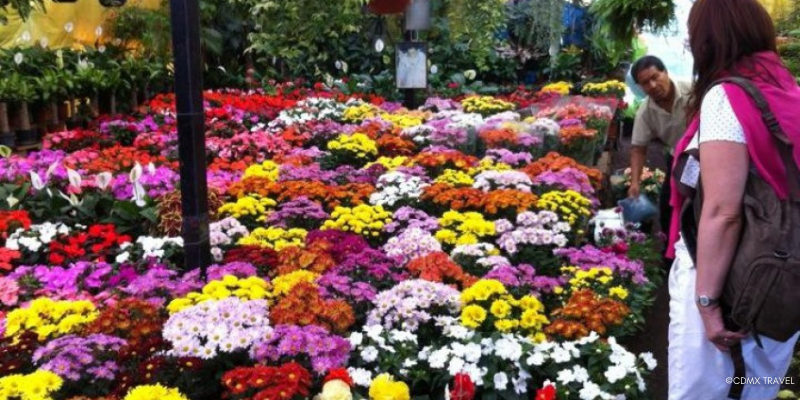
<point x="723" y="169"/>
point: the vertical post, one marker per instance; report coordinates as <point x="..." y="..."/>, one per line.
<point x="185" y="16"/>
<point x="409" y="99"/>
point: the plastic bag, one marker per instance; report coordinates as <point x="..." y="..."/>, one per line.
<point x="637" y="209"/>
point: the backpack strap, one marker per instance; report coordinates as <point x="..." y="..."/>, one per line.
<point x="782" y="142"/>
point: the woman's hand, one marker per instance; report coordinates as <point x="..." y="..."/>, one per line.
<point x="716" y="333"/>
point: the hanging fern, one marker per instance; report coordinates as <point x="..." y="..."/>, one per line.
<point x="477" y="23"/>
<point x="624" y="16"/>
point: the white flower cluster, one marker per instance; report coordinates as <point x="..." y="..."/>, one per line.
<point x="620" y="365"/>
<point x="493" y="180"/>
<point x="148" y="247"/>
<point x="477" y="250"/>
<point x="394" y="187"/>
<point x="532" y="229"/>
<point x="419" y="134"/>
<point x="223" y="233"/>
<point x="460" y="119"/>
<point x="310" y="109"/>
<point x="505" y="116"/>
<point x="494" y="362"/>
<point x="37" y="237"/>
<point x="545" y="127"/>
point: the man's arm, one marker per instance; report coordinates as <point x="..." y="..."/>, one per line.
<point x="642" y="135"/>
<point x="638" y="155"/>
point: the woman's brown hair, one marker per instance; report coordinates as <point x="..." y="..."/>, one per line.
<point x="722" y="33"/>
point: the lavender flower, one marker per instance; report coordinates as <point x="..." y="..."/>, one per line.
<point x="588" y="257"/>
<point x="157" y="182"/>
<point x="213" y="327"/>
<point x="298" y="213"/>
<point x="410" y="217"/>
<point x="324" y="350"/>
<point x="532" y="229"/>
<point x="509" y="157"/>
<point x="413" y="303"/>
<point x="74" y="358"/>
<point x="410" y="244"/>
<point x="566" y="179"/>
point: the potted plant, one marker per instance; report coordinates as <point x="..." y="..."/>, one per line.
<point x="53" y="86"/>
<point x="24" y="94"/>
<point x="7" y="137"/>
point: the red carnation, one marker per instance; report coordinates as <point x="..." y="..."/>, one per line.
<point x="546" y="393"/>
<point x="463" y="388"/>
<point x="338" y="374"/>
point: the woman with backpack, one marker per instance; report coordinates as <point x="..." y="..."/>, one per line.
<point x="735" y="281"/>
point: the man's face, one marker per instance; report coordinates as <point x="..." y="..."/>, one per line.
<point x="655" y="83"/>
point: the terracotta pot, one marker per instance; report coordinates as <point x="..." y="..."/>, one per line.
<point x="388" y="6"/>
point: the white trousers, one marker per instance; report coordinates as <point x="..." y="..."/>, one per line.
<point x="697" y="369"/>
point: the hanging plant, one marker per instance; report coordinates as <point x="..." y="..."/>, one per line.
<point x="623" y="17"/>
<point x="476" y="22"/>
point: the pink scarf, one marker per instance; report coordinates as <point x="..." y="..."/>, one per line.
<point x="783" y="98"/>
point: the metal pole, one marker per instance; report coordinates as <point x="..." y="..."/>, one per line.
<point x="185" y="18"/>
<point x="409" y="95"/>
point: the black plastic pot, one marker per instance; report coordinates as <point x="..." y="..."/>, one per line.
<point x="8" y="139"/>
<point x="27" y="137"/>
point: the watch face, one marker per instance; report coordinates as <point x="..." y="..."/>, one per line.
<point x="704" y="301"/>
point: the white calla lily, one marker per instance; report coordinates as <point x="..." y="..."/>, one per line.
<point x="139" y="194"/>
<point x="12" y="201"/>
<point x="50" y="170"/>
<point x="151" y="168"/>
<point x="103" y="179"/>
<point x="36" y="181"/>
<point x="136" y="173"/>
<point x="72" y="199"/>
<point x="74" y="178"/>
<point x="470" y="74"/>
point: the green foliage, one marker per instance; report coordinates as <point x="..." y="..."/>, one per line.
<point x="607" y="54"/>
<point x="532" y="27"/>
<point x="566" y="66"/>
<point x="622" y="17"/>
<point x="22" y="7"/>
<point x="476" y="22"/>
<point x="790" y="53"/>
<point x="295" y="37"/>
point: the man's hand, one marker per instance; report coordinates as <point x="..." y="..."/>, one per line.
<point x="633" y="191"/>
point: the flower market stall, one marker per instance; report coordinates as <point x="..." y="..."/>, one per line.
<point x="361" y="250"/>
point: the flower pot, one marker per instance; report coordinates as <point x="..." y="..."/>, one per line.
<point x="95" y="104"/>
<point x="388" y="6"/>
<point x="27" y="137"/>
<point x="7" y="138"/>
<point x="4" y="126"/>
<point x="55" y="124"/>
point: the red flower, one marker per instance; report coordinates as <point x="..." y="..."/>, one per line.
<point x="463" y="388"/>
<point x="546" y="393"/>
<point x="338" y="374"/>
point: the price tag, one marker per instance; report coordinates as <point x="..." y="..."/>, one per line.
<point x="691" y="172"/>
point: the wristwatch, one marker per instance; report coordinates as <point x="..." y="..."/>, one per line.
<point x="705" y="301"/>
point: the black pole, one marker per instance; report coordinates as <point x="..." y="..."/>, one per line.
<point x="185" y="18"/>
<point x="409" y="95"/>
